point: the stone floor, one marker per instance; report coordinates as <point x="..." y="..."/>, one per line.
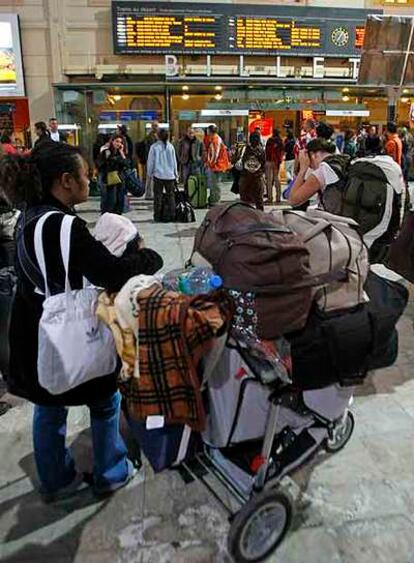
<point x="354" y="507"/>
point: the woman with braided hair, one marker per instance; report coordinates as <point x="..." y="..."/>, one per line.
<point x="316" y="173"/>
<point x="55" y="178"/>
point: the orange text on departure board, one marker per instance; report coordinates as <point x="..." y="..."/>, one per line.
<point x="359" y="37"/>
<point x="171" y="31"/>
<point x="271" y="33"/>
<point x="395" y="2"/>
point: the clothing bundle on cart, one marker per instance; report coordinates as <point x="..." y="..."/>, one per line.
<point x="249" y="381"/>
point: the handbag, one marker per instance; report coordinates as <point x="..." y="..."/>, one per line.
<point x="184" y="212"/>
<point x="74" y="345"/>
<point x="113" y="178"/>
<point x="133" y="184"/>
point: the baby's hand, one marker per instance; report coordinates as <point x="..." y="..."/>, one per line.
<point x="141" y="243"/>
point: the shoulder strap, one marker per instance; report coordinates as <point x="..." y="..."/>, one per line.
<point x="38" y="248"/>
<point x="26" y="263"/>
<point x="339" y="164"/>
<point x="65" y="233"/>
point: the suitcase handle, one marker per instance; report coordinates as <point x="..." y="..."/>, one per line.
<point x="311" y="281"/>
<point x="255" y="227"/>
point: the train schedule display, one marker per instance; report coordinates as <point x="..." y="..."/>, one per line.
<point x="179" y="28"/>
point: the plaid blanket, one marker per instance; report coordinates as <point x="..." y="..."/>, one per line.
<point x="175" y="331"/>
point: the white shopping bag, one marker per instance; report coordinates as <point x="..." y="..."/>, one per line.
<point x="74" y="345"/>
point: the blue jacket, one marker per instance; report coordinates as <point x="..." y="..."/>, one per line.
<point x="162" y="162"/>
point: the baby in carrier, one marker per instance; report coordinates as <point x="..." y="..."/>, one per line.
<point x="118" y="234"/>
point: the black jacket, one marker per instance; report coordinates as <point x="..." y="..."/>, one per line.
<point x="45" y="138"/>
<point x="88" y="258"/>
<point x="289" y="149"/>
<point x="109" y="161"/>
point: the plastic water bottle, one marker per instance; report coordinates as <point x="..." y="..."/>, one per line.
<point x="172" y="280"/>
<point x="200" y="281"/>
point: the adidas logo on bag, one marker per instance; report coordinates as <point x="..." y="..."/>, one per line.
<point x="92" y="334"/>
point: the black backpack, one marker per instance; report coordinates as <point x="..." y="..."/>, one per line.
<point x="332" y="197"/>
<point x="365" y="194"/>
<point x="184" y="212"/>
<point x="360" y="193"/>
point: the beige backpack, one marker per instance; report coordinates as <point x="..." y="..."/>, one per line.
<point x="334" y="243"/>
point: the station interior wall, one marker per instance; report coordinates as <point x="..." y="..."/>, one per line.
<point x="65" y="40"/>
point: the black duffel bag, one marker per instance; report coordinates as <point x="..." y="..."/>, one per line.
<point x="342" y="347"/>
<point x="388" y="300"/>
<point x="332" y="348"/>
<point x="133" y="183"/>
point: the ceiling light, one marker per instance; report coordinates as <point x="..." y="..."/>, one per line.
<point x="117" y="97"/>
<point x="218" y="88"/>
<point x="405" y="100"/>
<point x="345" y="98"/>
<point x="185" y="88"/>
<point x="185" y="97"/>
<point x="345" y="90"/>
<point x="405" y="91"/>
<point x="218" y="97"/>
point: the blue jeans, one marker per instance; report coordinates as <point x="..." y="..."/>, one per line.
<point x="54" y="461"/>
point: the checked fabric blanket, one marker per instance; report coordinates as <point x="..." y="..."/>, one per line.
<point x="175" y="331"/>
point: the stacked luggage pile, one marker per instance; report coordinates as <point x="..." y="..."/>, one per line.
<point x="247" y="383"/>
<point x="301" y="278"/>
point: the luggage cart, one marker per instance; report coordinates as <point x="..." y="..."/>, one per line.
<point x="265" y="507"/>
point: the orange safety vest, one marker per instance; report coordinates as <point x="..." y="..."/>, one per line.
<point x="217" y="156"/>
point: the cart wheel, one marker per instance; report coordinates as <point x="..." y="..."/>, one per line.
<point x="341" y="434"/>
<point x="260" y="526"/>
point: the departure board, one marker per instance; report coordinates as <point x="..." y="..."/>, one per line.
<point x="168" y="32"/>
<point x="199" y="28"/>
<point x="271" y="34"/>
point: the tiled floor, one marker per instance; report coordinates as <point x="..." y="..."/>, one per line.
<point x="355" y="507"/>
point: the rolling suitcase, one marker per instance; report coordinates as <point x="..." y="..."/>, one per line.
<point x="197" y="191"/>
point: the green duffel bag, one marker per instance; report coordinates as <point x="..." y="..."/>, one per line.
<point x="197" y="191"/>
